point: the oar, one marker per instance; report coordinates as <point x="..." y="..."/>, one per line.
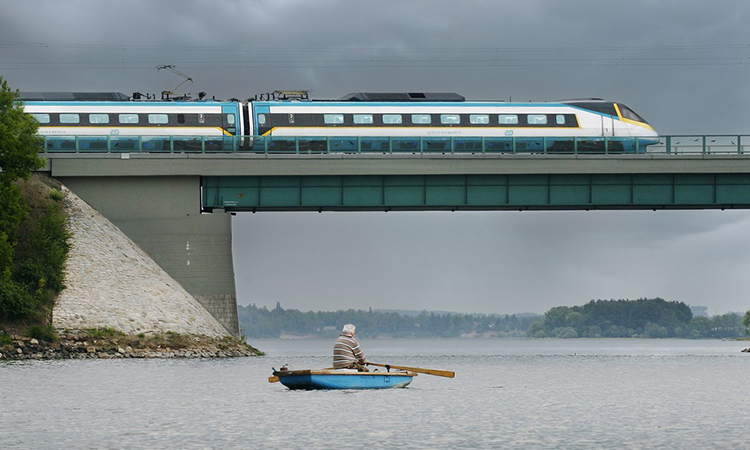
<point x="440" y="373"/>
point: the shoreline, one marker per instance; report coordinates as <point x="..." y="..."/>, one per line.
<point x="75" y="345"/>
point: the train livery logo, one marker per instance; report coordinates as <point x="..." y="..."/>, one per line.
<point x="509" y="132"/>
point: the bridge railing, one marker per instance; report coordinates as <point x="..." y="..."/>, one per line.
<point x="275" y="145"/>
<point x="702" y="144"/>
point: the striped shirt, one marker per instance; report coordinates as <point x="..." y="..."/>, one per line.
<point x="346" y="352"/>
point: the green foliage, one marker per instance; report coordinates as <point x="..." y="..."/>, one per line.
<point x="32" y="264"/>
<point x="56" y="195"/>
<point x="644" y="318"/>
<point x="33" y="235"/>
<point x="43" y="249"/>
<point x="5" y="339"/>
<point x="19" y="143"/>
<point x="649" y="318"/>
<point x="43" y="333"/>
<point x="16" y="303"/>
<point x="263" y="323"/>
<point x="746" y="322"/>
<point x="104" y="333"/>
<point x="616" y="318"/>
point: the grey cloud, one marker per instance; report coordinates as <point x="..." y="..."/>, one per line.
<point x="682" y="64"/>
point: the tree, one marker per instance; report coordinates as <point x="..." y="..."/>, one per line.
<point x="19" y="143"/>
<point x="19" y="156"/>
<point x="746" y="322"/>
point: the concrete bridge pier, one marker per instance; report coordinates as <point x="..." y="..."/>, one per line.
<point x="162" y="215"/>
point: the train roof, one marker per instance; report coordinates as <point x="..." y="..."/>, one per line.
<point x="403" y="97"/>
<point x="73" y="96"/>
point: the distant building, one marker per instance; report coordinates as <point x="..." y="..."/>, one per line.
<point x="699" y="311"/>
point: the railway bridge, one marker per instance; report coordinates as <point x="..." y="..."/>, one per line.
<point x="177" y="205"/>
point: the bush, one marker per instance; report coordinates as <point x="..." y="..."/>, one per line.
<point x="104" y="333"/>
<point x="56" y="195"/>
<point x="5" y="339"/>
<point x="15" y="301"/>
<point x="43" y="333"/>
<point x="32" y="253"/>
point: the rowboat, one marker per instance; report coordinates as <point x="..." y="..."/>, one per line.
<point x="342" y="379"/>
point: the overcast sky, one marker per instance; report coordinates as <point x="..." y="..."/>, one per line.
<point x="684" y="65"/>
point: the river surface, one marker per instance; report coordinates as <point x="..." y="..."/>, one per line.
<point x="576" y="394"/>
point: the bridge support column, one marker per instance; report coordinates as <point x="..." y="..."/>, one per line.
<point x="162" y="215"/>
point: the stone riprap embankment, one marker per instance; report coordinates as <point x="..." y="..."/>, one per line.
<point x="83" y="346"/>
<point x="112" y="283"/>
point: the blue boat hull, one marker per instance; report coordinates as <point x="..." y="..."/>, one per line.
<point x="307" y="379"/>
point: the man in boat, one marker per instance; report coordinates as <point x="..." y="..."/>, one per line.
<point x="346" y="351"/>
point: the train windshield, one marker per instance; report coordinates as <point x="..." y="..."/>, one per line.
<point x="628" y="113"/>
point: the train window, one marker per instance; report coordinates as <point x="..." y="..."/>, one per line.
<point x="363" y="119"/>
<point x="421" y="119"/>
<point x="261" y="119"/>
<point x="507" y="119"/>
<point x="69" y="118"/>
<point x="480" y="119"/>
<point x="41" y="118"/>
<point x="98" y="118"/>
<point x="392" y="118"/>
<point x="537" y="119"/>
<point x="333" y="119"/>
<point x="180" y="118"/>
<point x="450" y="119"/>
<point x="630" y="114"/>
<point x="158" y="119"/>
<point x="128" y="118"/>
<point x="560" y="119"/>
<point x="230" y="119"/>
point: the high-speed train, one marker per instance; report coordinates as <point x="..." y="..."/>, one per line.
<point x="376" y="122"/>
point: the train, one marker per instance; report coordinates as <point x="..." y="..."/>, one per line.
<point x="370" y="122"/>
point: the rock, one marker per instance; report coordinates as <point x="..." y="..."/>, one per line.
<point x="120" y="350"/>
<point x="90" y="349"/>
<point x="33" y="341"/>
<point x="19" y="351"/>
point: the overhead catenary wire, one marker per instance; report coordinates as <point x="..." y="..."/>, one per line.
<point x="372" y="57"/>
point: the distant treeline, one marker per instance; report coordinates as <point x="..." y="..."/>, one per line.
<point x="264" y="323"/>
<point x="648" y="318"/>
<point x="645" y="318"/>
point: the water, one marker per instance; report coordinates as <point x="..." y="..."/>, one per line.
<point x="506" y="394"/>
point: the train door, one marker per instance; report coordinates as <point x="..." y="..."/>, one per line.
<point x="261" y="119"/>
<point x="231" y="122"/>
<point x="608" y="125"/>
<point x="260" y="124"/>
